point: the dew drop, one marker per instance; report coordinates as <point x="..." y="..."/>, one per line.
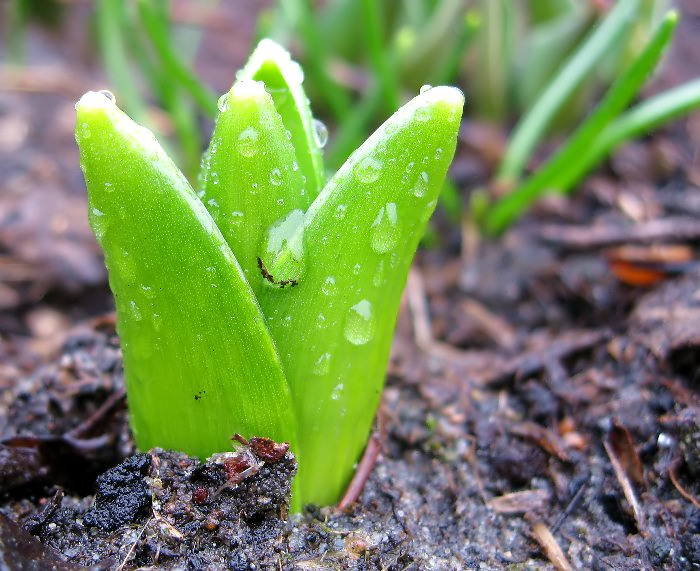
<point x="359" y="323"/>
<point x="157" y="321"/>
<point x="98" y="223"/>
<point x="222" y="103"/>
<point x="109" y="187"/>
<point x="368" y="170"/>
<point x="236" y="218"/>
<point x="337" y="391"/>
<point x="248" y="142"/>
<point x="425" y="88"/>
<point x="147" y="291"/>
<point x="320" y="133"/>
<point x="329" y="287"/>
<point x="214" y="177"/>
<point x="283" y="250"/>
<point x="378" y="277"/>
<point x="438" y="153"/>
<point x="423" y="114"/>
<point x="85" y="131"/>
<point x="276" y="177"/>
<point x="356" y="269"/>
<point x="341" y="211"/>
<point x="109" y="95"/>
<point x="321" y="321"/>
<point x="385" y="229"/>
<point x="322" y="365"/>
<point x="135" y="311"/>
<point x="421" y="186"/>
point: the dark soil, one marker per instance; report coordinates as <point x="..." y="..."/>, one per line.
<point x="541" y="408"/>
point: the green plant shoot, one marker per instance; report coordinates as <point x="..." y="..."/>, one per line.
<point x="190" y="327"/>
<point x="264" y="303"/>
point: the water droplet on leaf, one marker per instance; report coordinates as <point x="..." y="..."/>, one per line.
<point x="337" y="391"/>
<point x="109" y="95"/>
<point x="423" y="114"/>
<point x="368" y="170"/>
<point x="222" y="103"/>
<point x="359" y="323"/>
<point x="248" y="142"/>
<point x="378" y="277"/>
<point x="340" y="211"/>
<point x="421" y="186"/>
<point x="98" y="223"/>
<point x="283" y="251"/>
<point x="322" y="364"/>
<point x="320" y="133"/>
<point x="135" y="311"/>
<point x="329" y="287"/>
<point x="425" y="88"/>
<point x="276" y="177"/>
<point x="147" y="291"/>
<point x="385" y="229"/>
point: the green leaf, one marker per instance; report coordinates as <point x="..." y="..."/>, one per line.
<point x="555" y="171"/>
<point x="573" y="71"/>
<point x="283" y="77"/>
<point x="335" y="329"/>
<point x="251" y="179"/>
<point x="199" y="362"/>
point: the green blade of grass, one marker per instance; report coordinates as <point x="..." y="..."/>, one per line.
<point x="637" y="121"/>
<point x="352" y="131"/>
<point x="272" y="64"/>
<point x="384" y="70"/>
<point x="315" y="52"/>
<point x="199" y="362"/>
<point x="435" y="45"/>
<point x="334" y="330"/>
<point x="110" y="16"/>
<point x="531" y="128"/>
<point x="495" y="50"/>
<point x="251" y="179"/>
<point x="155" y="25"/>
<point x="548" y="177"/>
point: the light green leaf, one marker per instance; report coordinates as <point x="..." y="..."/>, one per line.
<point x="199" y="361"/>
<point x="283" y="77"/>
<point x="334" y="330"/>
<point x="251" y="180"/>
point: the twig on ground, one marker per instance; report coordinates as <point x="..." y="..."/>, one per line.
<point x="625" y="482"/>
<point x="550" y="546"/>
<point x="572" y="505"/>
<point x="364" y="468"/>
<point x="681" y="490"/>
<point x="587" y="237"/>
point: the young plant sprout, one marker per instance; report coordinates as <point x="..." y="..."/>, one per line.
<point x="264" y="302"/>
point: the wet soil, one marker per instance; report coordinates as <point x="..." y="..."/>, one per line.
<point x="541" y="409"/>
